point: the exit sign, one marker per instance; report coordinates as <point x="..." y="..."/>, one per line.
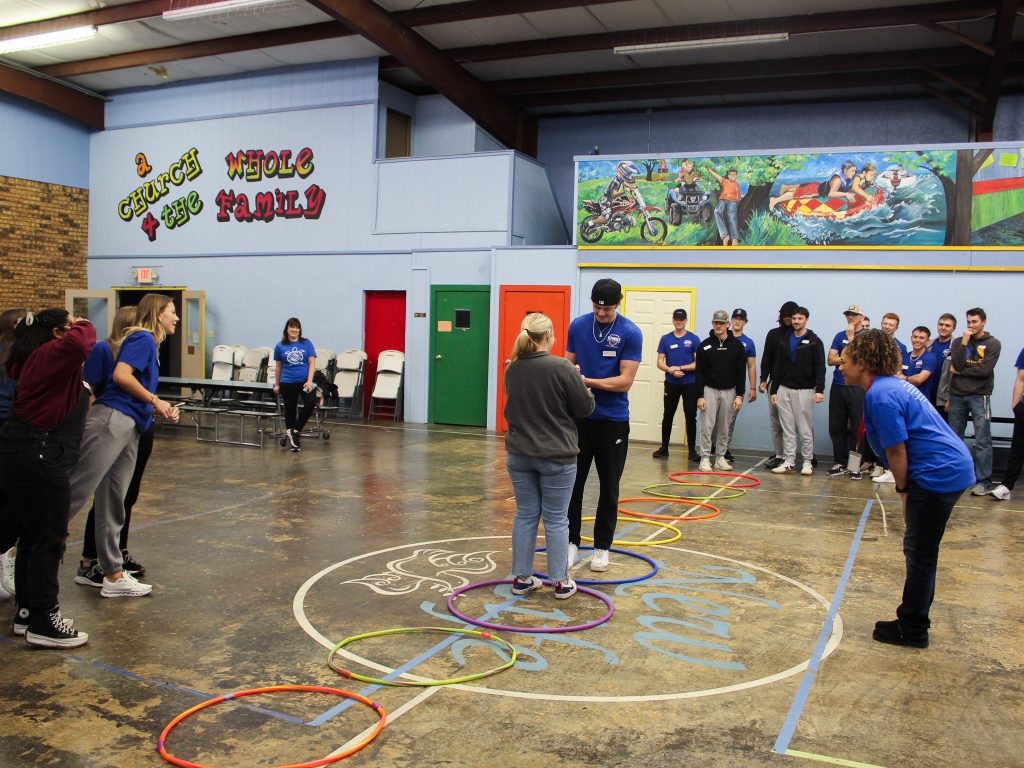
<point x="144" y="275"/>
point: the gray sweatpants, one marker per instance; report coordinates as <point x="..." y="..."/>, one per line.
<point x="796" y="412"/>
<point x="773" y="420"/>
<point x="109" y="445"/>
<point x="716" y="418"/>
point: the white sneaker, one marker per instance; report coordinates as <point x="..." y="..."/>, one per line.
<point x="878" y="471"/>
<point x="599" y="562"/>
<point x="705" y="464"/>
<point x="1001" y="492"/>
<point x="807" y="469"/>
<point x="126" y="586"/>
<point x="783" y="469"/>
<point x="722" y="464"/>
<point x="574" y="553"/>
<point x="885" y="477"/>
<point x="7" y="573"/>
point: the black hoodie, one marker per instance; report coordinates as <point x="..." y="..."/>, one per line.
<point x="807" y="371"/>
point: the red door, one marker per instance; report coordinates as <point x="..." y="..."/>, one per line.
<point x="384" y="326"/>
<point x="516" y="302"/>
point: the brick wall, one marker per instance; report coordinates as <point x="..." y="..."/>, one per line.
<point x="44" y="232"/>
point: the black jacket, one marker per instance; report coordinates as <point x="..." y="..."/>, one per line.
<point x="771" y="342"/>
<point x="807" y="372"/>
<point x="721" y="364"/>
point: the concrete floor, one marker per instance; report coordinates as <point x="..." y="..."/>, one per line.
<point x="261" y="559"/>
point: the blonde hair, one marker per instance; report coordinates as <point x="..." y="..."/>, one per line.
<point x="147" y="316"/>
<point x="123" y="320"/>
<point x="535" y="327"/>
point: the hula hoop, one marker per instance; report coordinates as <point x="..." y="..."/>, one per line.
<point x="543" y="630"/>
<point x="739" y="492"/>
<point x="674" y="518"/>
<point x="649" y="561"/>
<point x="677" y="537"/>
<point x="161" y="748"/>
<point x="447" y="630"/>
<point x="753" y="484"/>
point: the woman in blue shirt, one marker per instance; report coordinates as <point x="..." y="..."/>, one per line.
<point x="296" y="362"/>
<point x="930" y="465"/>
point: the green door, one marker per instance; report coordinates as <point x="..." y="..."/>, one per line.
<point x="460" y="316"/>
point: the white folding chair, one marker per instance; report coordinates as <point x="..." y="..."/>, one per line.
<point x="351" y="365"/>
<point x="388" y="390"/>
<point x="223" y="363"/>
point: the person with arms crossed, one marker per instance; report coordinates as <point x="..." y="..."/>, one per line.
<point x="798" y="383"/>
<point x="930" y="465"/>
<point x="771" y="343"/>
<point x="721" y="371"/>
<point x="676" y="352"/>
<point x="607" y="347"/>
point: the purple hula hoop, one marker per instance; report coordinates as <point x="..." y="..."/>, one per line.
<point x="547" y="630"/>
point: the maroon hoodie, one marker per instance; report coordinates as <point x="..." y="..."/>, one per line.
<point x="50" y="381"/>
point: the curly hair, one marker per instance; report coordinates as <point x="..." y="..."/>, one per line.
<point x="877" y="350"/>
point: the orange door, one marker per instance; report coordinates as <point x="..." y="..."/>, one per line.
<point x="516" y="302"/>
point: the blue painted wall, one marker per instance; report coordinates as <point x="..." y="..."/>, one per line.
<point x="41" y="145"/>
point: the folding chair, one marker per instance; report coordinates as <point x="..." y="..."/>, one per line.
<point x="388" y="389"/>
<point x="351" y="366"/>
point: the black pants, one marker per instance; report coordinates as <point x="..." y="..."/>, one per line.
<point x="673" y="393"/>
<point x="603" y="443"/>
<point x="293" y="417"/>
<point x="130" y="497"/>
<point x="35" y="468"/>
<point x="845" y="407"/>
<point x="927" y="514"/>
<point x="1016" y="458"/>
<point x="8" y="524"/>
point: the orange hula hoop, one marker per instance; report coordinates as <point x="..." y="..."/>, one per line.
<point x="754" y="482"/>
<point x="715" y="511"/>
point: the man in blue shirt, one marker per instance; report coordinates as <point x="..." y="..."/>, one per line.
<point x="891" y="324"/>
<point x="607" y="349"/>
<point x="930" y="464"/>
<point x="676" y="358"/>
<point x="921" y="367"/>
<point x="845" y="402"/>
<point x="939" y="347"/>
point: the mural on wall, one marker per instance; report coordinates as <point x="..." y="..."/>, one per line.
<point x="918" y="197"/>
<point x="246" y="205"/>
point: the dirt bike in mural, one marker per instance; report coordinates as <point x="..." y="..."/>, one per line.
<point x="626" y="213"/>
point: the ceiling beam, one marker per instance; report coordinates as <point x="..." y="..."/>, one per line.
<point x="145" y="9"/>
<point x="1002" y="42"/>
<point x="496" y="115"/>
<point x="485" y="9"/>
<point x="41" y="90"/>
<point x="795" y="25"/>
<point x="960" y="38"/>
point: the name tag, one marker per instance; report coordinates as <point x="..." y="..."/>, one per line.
<point x="673" y="346"/>
<point x="806" y="341"/>
<point x="609" y="353"/>
<point x="905" y="367"/>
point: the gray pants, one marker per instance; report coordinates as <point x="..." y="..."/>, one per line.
<point x="773" y="420"/>
<point x="796" y="412"/>
<point x="716" y="418"/>
<point x="109" y="445"/>
<point x="733" y="413"/>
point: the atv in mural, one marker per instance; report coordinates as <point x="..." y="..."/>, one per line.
<point x="626" y="213"/>
<point x="687" y="204"/>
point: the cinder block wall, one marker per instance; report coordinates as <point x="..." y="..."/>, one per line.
<point x="44" y="234"/>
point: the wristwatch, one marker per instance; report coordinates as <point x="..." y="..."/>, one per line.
<point x="901" y="490"/>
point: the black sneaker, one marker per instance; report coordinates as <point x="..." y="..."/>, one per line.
<point x="890" y="632"/>
<point x="838" y="470"/>
<point x="773" y="462"/>
<point x="54" y="631"/>
<point x="661" y="453"/>
<point x="856" y="475"/>
<point x="728" y="457"/>
<point x="19" y="624"/>
<point x="90" y="575"/>
<point x="130" y="564"/>
<point x="694" y="457"/>
<point x="293" y="440"/>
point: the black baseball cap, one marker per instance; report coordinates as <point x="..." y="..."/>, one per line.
<point x="606" y="292"/>
<point x="740" y="313"/>
<point x="679" y="314"/>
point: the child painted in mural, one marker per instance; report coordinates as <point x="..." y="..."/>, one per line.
<point x="727" y="210"/>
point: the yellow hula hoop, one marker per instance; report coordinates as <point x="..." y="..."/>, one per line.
<point x="666" y="526"/>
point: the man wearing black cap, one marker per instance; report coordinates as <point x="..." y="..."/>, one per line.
<point x="676" y="352"/>
<point x="739" y="322"/>
<point x="845" y="403"/>
<point x="607" y="349"/>
<point x="771" y="343"/>
<point x="721" y="372"/>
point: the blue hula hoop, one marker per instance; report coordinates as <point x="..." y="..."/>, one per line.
<point x="649" y="561"/>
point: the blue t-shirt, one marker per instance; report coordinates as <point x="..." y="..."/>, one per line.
<point x="599" y="350"/>
<point x="895" y="411"/>
<point x="139" y="351"/>
<point x="679" y="350"/>
<point x="294" y="357"/>
<point x="99" y="368"/>
<point x="1020" y="364"/>
<point x="903" y="349"/>
<point x="940" y="348"/>
<point x="926" y="362"/>
<point x="838" y="345"/>
<point x="748" y="344"/>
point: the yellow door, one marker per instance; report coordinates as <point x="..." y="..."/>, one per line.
<point x="651" y="309"/>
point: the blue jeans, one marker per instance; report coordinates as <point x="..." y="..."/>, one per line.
<point x="927" y="514"/>
<point x="981" y="416"/>
<point x="542" y="489"/>
<point x="725" y="218"/>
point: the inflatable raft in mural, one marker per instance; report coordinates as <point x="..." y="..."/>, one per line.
<point x="921" y="197"/>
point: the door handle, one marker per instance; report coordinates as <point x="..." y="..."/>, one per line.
<point x="508" y="361"/>
<point x="438" y="357"/>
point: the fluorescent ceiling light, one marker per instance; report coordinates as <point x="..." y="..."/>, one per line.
<point x="704" y="42"/>
<point x="46" y="39"/>
<point x="220" y="8"/>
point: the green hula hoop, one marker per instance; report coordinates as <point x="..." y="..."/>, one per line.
<point x="737" y="492"/>
<point x="424" y="682"/>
